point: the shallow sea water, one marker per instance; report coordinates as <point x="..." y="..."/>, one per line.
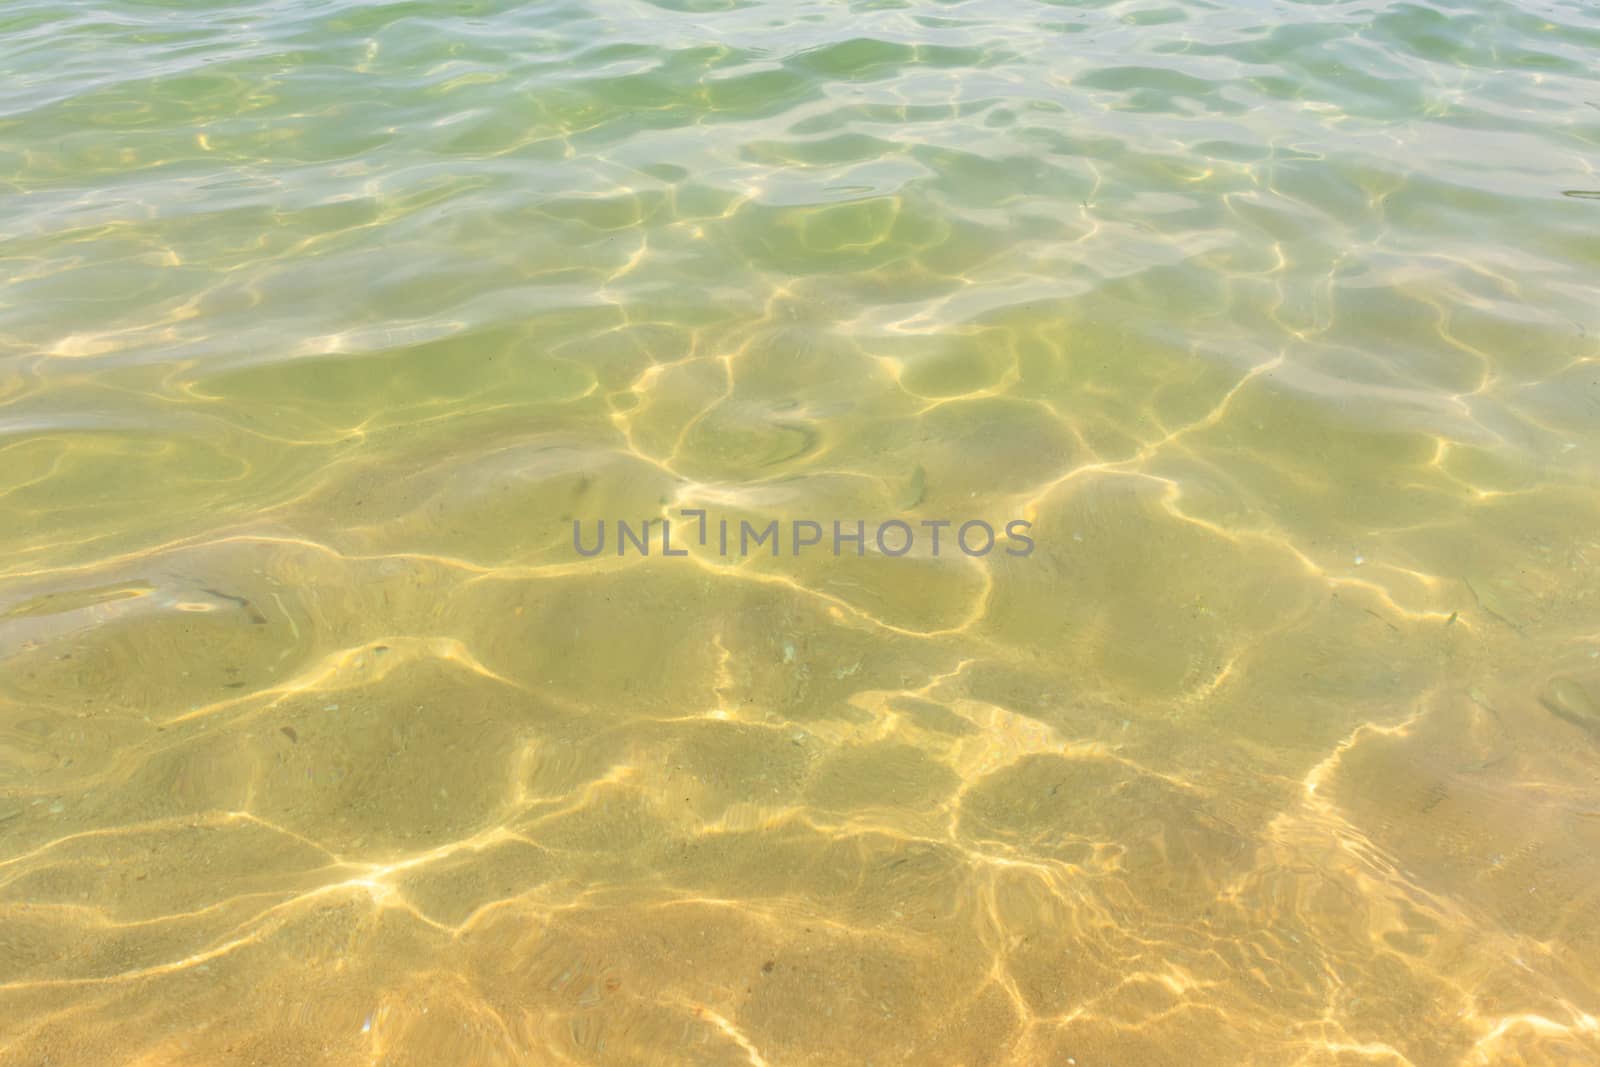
<point x="322" y="323"/>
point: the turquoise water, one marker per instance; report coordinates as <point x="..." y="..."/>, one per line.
<point x="1274" y="324"/>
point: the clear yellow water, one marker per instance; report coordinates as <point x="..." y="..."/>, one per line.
<point x="323" y="323"/>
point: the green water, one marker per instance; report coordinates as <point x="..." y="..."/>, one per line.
<point x="323" y="323"/>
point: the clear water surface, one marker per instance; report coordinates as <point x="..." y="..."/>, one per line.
<point x="323" y="321"/>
